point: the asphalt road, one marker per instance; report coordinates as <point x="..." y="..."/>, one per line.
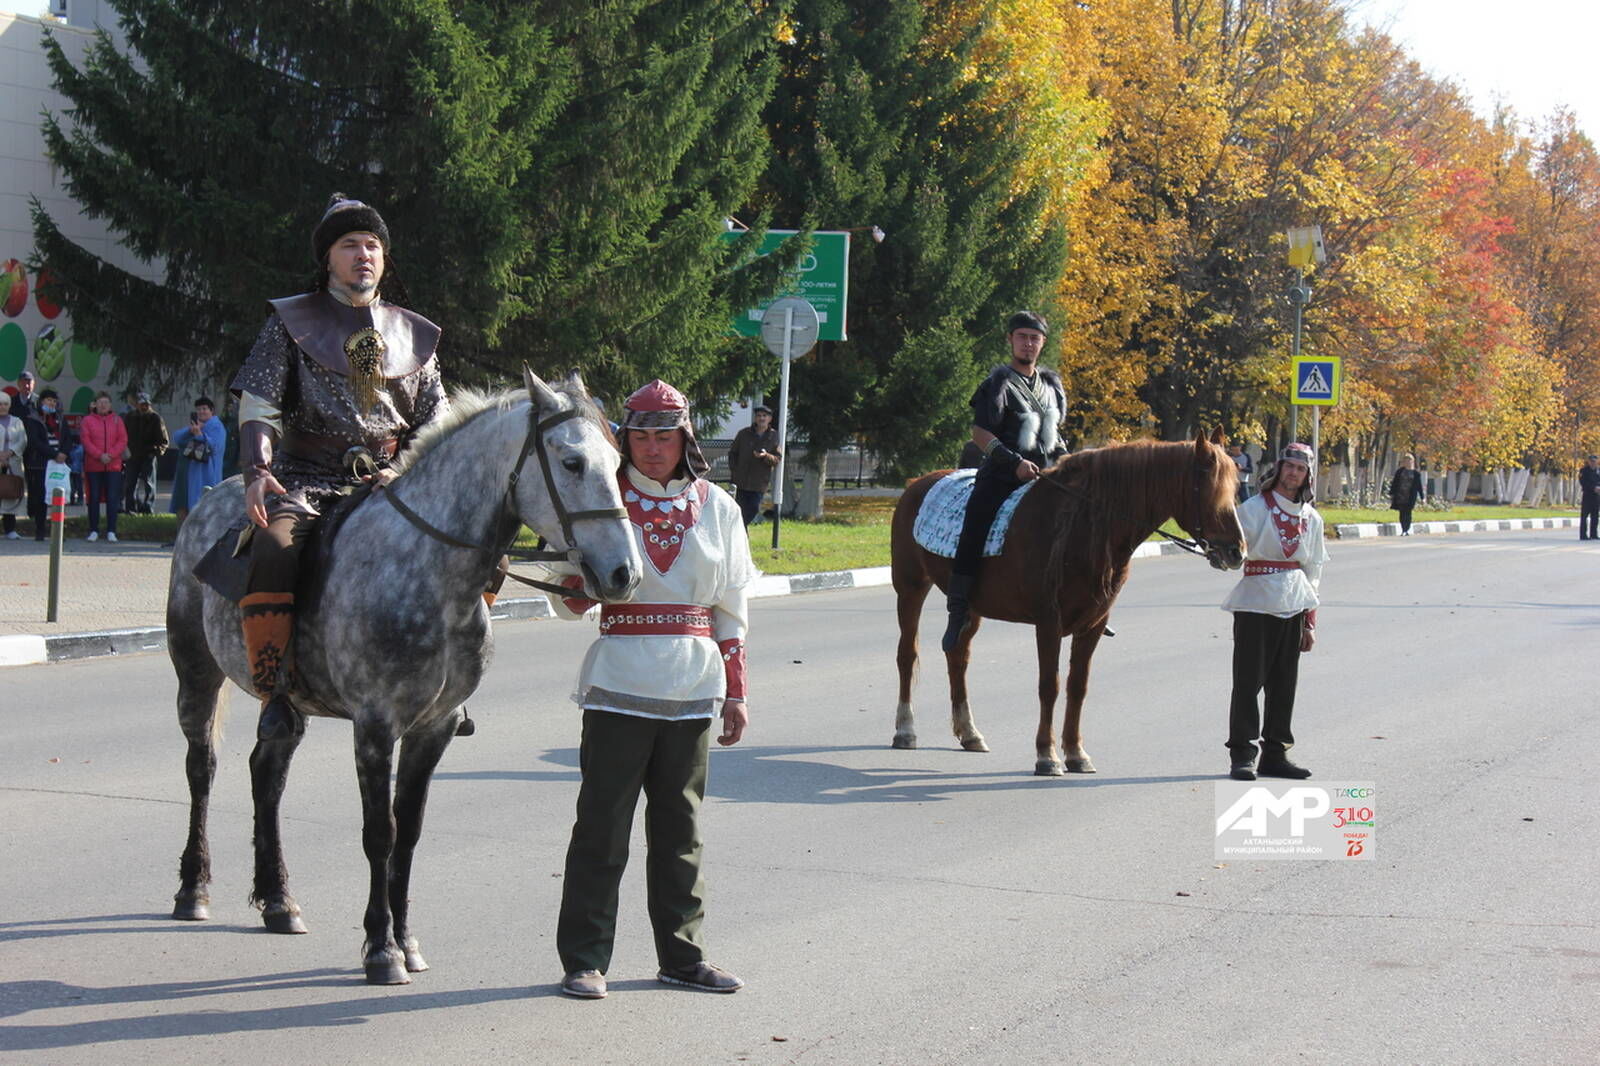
<point x="918" y="907"/>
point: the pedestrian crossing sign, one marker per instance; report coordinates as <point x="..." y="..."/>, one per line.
<point x="1317" y="379"/>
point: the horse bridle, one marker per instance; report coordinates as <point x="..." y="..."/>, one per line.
<point x="532" y="443"/>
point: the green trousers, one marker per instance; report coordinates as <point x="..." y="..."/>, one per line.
<point x="620" y="756"/>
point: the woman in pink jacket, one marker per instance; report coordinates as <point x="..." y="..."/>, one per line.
<point x="104" y="440"/>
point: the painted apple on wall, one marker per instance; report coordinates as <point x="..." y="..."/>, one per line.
<point x="46" y="307"/>
<point x="13" y="288"/>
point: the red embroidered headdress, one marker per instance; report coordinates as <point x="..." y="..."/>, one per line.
<point x="660" y="406"/>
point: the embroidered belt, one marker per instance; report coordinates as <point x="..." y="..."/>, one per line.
<point x="655" y="620"/>
<point x="1257" y="567"/>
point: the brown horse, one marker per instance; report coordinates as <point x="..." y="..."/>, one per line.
<point x="1065" y="558"/>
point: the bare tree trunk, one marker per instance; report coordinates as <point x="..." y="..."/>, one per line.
<point x="1541" y="488"/>
<point x="809" y="501"/>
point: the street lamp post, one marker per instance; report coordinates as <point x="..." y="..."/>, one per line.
<point x="1306" y="251"/>
<point x="1299" y="296"/>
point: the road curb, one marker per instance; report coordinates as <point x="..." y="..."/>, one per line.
<point x="1484" y="525"/>
<point x="31" y="649"/>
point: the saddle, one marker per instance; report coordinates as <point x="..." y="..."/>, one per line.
<point x="938" y="523"/>
<point x="225" y="567"/>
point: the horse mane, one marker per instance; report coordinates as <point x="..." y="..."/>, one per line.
<point x="1116" y="482"/>
<point x="468" y="404"/>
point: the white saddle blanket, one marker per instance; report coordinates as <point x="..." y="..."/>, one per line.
<point x="938" y="524"/>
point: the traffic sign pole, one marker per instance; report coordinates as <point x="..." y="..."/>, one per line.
<point x="798" y="333"/>
<point x="783" y="423"/>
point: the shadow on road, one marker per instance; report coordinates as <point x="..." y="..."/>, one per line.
<point x="214" y="1020"/>
<point x="784" y="775"/>
<point x="47" y="928"/>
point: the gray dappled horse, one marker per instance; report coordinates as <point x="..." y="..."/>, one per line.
<point x="398" y="637"/>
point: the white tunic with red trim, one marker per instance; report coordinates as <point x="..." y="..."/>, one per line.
<point x="1278" y="531"/>
<point x="676" y="651"/>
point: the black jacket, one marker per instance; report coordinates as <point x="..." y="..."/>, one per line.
<point x="45" y="442"/>
<point x="1405" y="490"/>
<point x="1026" y="427"/>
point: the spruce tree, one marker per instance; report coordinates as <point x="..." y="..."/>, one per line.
<point x="874" y="125"/>
<point x="553" y="175"/>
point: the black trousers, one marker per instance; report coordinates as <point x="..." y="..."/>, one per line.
<point x="1405" y="519"/>
<point x="37" y="504"/>
<point x="135" y="470"/>
<point x="989" y="492"/>
<point x="275" y="552"/>
<point x="1589" y="516"/>
<point x="1266" y="656"/>
<point x="749" y="502"/>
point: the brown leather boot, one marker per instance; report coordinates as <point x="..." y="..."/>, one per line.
<point x="267" y="619"/>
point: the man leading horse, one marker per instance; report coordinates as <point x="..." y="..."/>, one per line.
<point x="1016" y="418"/>
<point x="339" y="379"/>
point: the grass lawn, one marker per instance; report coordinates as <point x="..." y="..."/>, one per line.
<point x="855" y="532"/>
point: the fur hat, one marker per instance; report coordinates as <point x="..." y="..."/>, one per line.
<point x="1026" y="320"/>
<point x="345" y="215"/>
<point x="660" y="406"/>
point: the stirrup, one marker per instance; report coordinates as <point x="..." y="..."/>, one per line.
<point x="466" y="727"/>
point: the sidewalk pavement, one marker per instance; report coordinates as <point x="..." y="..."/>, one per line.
<point x="113" y="597"/>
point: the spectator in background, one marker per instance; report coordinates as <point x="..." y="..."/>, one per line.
<point x="104" y="440"/>
<point x="23" y="406"/>
<point x="13" y="442"/>
<point x="1246" y="465"/>
<point x="200" y="445"/>
<point x="147" y="439"/>
<point x="1405" y="491"/>
<point x="49" y="438"/>
<point x="75" y="460"/>
<point x="1589" y="489"/>
<point x="751" y="459"/>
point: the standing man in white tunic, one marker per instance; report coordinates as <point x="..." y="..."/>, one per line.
<point x="664" y="666"/>
<point x="1274" y="615"/>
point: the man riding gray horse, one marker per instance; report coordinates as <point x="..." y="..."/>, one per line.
<point x="337" y="383"/>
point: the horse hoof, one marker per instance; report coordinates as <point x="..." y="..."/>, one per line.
<point x="415" y="963"/>
<point x="387" y="971"/>
<point x="904" y="741"/>
<point x="1047" y="768"/>
<point x="283" y="920"/>
<point x="197" y="909"/>
<point x="1080" y="766"/>
<point x="975" y="744"/>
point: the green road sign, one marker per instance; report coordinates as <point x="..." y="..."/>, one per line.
<point x="823" y="278"/>
<point x="1318" y="379"/>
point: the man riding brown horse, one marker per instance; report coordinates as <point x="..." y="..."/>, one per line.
<point x="339" y="379"/>
<point x="1016" y="415"/>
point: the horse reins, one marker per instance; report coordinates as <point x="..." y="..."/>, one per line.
<point x="533" y="443"/>
<point x="1197" y="546"/>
